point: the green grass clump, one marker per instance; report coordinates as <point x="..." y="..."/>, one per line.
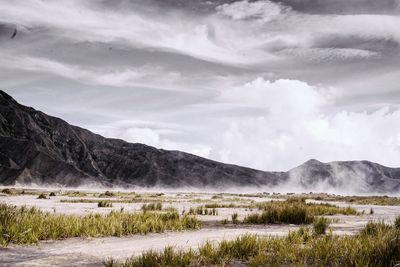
<point x="275" y="214"/>
<point x="104" y="204"/>
<point x="29" y="225"/>
<point x="299" y="248"/>
<point x="316" y="209"/>
<point x="235" y="219"/>
<point x="152" y="206"/>
<point x="294" y="211"/>
<point x="320" y="225"/>
<point x="202" y="210"/>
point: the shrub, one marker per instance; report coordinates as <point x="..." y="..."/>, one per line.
<point x="42" y="196"/>
<point x="6" y="191"/>
<point x="104" y="204"/>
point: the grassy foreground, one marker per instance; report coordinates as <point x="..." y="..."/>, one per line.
<point x="376" y="245"/>
<point x="29" y="225"/>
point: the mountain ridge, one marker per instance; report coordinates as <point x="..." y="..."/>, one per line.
<point x="36" y="148"/>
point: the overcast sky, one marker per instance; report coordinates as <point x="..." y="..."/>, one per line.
<point x="264" y="84"/>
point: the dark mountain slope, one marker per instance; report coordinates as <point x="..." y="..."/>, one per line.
<point x="37" y="148"/>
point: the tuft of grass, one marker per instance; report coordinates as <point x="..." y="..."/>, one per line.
<point x="320" y="225"/>
<point x="280" y="213"/>
<point x="299" y="248"/>
<point x="104" y="204"/>
<point x="235" y="219"/>
<point x="42" y="196"/>
<point x="22" y="225"/>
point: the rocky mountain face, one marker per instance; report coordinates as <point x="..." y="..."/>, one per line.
<point x="39" y="149"/>
<point x="43" y="150"/>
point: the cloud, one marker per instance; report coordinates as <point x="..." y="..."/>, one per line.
<point x="295" y="126"/>
<point x="258" y="83"/>
<point x="144" y="76"/>
<point x="240" y="33"/>
<point x="264" y="11"/>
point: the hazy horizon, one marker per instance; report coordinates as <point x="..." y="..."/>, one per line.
<point x="263" y="84"/>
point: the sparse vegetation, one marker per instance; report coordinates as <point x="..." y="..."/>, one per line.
<point x="75" y="194"/>
<point x="300" y="248"/>
<point x="152" y="206"/>
<point x="23" y="225"/>
<point x="364" y="200"/>
<point x="226" y="205"/>
<point x="104" y="204"/>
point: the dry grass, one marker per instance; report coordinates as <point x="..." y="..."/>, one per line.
<point x="293" y="211"/>
<point x="29" y="225"/>
<point x="380" y="248"/>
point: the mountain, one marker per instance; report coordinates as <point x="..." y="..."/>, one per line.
<point x="346" y="176"/>
<point x="39" y="149"/>
<point x="43" y="150"/>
